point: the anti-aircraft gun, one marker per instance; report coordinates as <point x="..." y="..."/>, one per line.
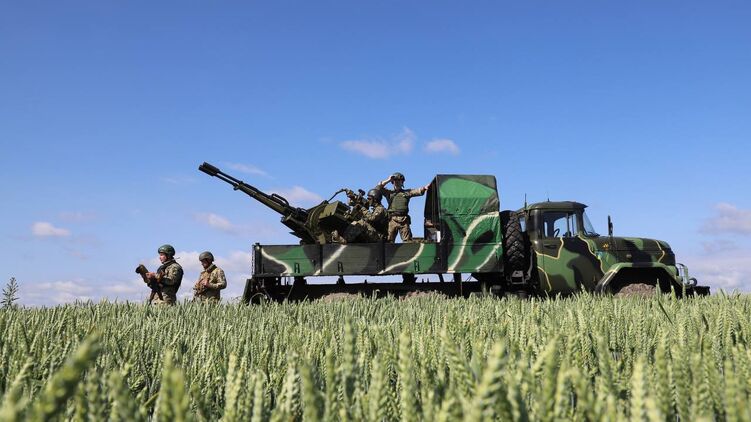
<point x="313" y="225"/>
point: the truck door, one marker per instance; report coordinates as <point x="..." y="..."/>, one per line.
<point x="567" y="263"/>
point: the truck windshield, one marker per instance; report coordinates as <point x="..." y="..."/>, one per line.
<point x="588" y="229"/>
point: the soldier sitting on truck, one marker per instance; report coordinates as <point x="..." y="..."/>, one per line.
<point x="370" y="227"/>
<point x="398" y="199"/>
<point x="376" y="216"/>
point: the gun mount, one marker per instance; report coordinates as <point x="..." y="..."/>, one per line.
<point x="313" y="225"/>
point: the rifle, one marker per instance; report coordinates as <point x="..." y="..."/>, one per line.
<point x="154" y="283"/>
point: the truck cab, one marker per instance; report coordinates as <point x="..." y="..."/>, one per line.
<point x="568" y="255"/>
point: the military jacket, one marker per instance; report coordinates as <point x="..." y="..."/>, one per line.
<point x="377" y="217"/>
<point x="399" y="199"/>
<point x="171" y="274"/>
<point x="215" y="281"/>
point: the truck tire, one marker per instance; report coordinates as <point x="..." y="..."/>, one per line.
<point x="514" y="245"/>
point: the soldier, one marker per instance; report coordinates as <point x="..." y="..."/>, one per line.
<point x="370" y="227"/>
<point x="398" y="212"/>
<point x="169" y="275"/>
<point x="376" y="216"/>
<point x="211" y="281"/>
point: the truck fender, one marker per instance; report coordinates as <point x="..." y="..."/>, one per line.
<point x="665" y="273"/>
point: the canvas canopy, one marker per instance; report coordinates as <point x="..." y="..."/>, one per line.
<point x="467" y="194"/>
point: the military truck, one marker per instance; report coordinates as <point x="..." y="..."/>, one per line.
<point x="542" y="249"/>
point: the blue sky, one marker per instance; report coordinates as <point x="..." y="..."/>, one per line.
<point x="640" y="109"/>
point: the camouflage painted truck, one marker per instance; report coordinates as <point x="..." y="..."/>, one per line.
<point x="543" y="249"/>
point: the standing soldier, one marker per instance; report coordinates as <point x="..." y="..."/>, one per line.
<point x="169" y="275"/>
<point x="398" y="199"/>
<point x="211" y="281"/>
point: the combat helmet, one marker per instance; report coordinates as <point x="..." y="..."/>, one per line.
<point x="206" y="255"/>
<point x="397" y="176"/>
<point x="167" y="249"/>
<point x="376" y="195"/>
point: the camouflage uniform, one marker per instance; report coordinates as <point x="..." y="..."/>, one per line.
<point x="378" y="219"/>
<point x="371" y="227"/>
<point x="215" y="280"/>
<point x="399" y="220"/>
<point x="170" y="275"/>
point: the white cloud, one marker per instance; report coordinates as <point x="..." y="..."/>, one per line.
<point x="299" y="195"/>
<point x="55" y="293"/>
<point x="379" y="148"/>
<point x="247" y="169"/>
<point x="218" y="222"/>
<point x="82" y="290"/>
<point x="719" y="245"/>
<point x="128" y="289"/>
<point x="45" y="229"/>
<point x="442" y="145"/>
<point x="237" y="261"/>
<point x="253" y="230"/>
<point x="727" y="270"/>
<point x="724" y="264"/>
<point x="728" y="219"/>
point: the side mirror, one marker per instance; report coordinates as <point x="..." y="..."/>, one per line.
<point x="610" y="227"/>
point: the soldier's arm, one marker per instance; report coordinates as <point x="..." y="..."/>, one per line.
<point x="172" y="276"/>
<point x="217" y="281"/>
<point x="375" y="214"/>
<point x="383" y="183"/>
<point x="418" y="191"/>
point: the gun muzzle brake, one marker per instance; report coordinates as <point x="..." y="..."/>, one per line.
<point x="209" y="169"/>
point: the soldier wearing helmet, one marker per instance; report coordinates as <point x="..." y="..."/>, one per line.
<point x="211" y="280"/>
<point x="169" y="275"/>
<point x="370" y="227"/>
<point x="376" y="216"/>
<point x="398" y="211"/>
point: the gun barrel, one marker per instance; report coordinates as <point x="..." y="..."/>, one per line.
<point x="295" y="217"/>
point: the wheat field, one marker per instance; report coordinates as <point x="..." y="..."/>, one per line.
<point x="429" y="358"/>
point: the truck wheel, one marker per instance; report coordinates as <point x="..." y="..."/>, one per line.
<point x="636" y="290"/>
<point x="514" y="245"/>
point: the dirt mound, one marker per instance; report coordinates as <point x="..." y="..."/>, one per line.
<point x="418" y="293"/>
<point x="636" y="290"/>
<point x="336" y="297"/>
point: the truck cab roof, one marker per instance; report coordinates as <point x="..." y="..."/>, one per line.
<point x="556" y="205"/>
